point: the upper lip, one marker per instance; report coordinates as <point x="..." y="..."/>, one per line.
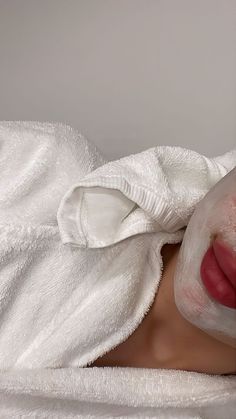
<point x="226" y="258"/>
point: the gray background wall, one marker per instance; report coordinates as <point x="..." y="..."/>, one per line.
<point x="129" y="74"/>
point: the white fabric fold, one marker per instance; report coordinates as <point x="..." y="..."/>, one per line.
<point x="155" y="190"/>
<point x="116" y="393"/>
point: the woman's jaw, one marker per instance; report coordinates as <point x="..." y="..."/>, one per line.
<point x="214" y="219"/>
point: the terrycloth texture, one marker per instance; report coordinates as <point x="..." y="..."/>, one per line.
<point x="77" y="275"/>
<point x="116" y="393"/>
<point x="64" y="305"/>
<point x="156" y="190"/>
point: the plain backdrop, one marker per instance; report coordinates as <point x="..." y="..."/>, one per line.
<point x="129" y="74"/>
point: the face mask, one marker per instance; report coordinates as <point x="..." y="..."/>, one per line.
<point x="205" y="277"/>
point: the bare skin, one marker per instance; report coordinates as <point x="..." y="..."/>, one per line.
<point x="164" y="339"/>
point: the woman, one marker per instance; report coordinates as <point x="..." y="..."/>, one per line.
<point x="81" y="249"/>
<point x="169" y="336"/>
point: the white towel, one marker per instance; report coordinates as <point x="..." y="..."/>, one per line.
<point x="77" y="275"/>
<point x="116" y="393"/>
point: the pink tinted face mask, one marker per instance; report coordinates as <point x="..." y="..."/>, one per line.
<point x="205" y="277"/>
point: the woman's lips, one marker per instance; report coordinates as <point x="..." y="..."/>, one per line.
<point x="226" y="259"/>
<point x="219" y="286"/>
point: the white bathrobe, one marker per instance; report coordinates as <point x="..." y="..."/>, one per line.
<point x="80" y="242"/>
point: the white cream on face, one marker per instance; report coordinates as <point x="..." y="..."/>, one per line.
<point x="215" y="215"/>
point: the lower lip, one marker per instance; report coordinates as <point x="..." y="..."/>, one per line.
<point x="216" y="282"/>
